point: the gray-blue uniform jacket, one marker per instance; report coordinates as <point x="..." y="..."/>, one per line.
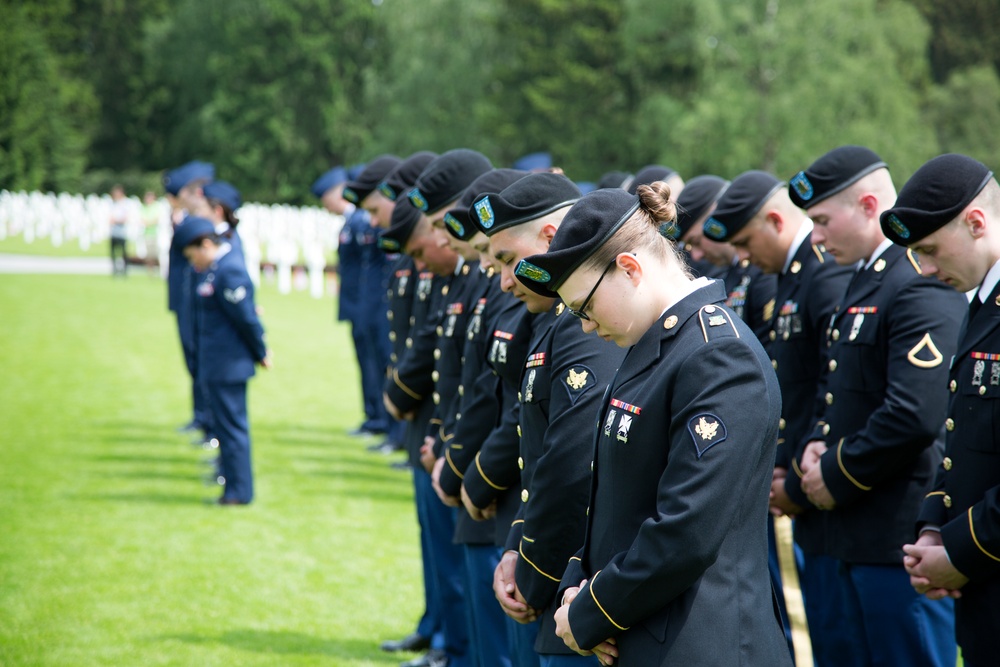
<point x="890" y="341"/>
<point x="808" y="293"/>
<point x="965" y="500"/>
<point x="564" y="375"/>
<point x="676" y="547"/>
<point x="230" y="335"/>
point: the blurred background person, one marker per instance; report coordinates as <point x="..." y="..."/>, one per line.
<point x="121" y="208"/>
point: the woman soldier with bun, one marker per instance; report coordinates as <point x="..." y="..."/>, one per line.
<point x="673" y="570"/>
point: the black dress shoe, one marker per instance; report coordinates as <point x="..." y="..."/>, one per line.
<point x="401" y="465"/>
<point x="412" y="642"/>
<point x="433" y="658"/>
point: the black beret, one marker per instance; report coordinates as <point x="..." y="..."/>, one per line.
<point x="401" y="179"/>
<point x="444" y="179"/>
<point x="695" y="199"/>
<point x="356" y="189"/>
<point x="934" y="196"/>
<point x="587" y="226"/>
<point x="650" y="174"/>
<point x="404" y="219"/>
<point x="740" y="203"/>
<point x="832" y="173"/>
<point x="615" y="179"/>
<point x="457" y="220"/>
<point x="527" y="199"/>
<point x="192" y="229"/>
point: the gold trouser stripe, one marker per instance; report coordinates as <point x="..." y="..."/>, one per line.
<point x="794" y="606"/>
<point x="976" y="540"/>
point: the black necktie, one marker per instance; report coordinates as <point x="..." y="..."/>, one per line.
<point x="974" y="305"/>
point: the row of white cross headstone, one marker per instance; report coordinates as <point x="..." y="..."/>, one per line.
<point x="296" y="240"/>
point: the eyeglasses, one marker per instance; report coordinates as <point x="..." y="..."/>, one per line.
<point x="579" y="313"/>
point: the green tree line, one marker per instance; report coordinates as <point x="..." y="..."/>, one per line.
<point x="276" y="91"/>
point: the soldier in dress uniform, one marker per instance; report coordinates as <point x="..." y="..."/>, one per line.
<point x="488" y="420"/>
<point x="401" y="268"/>
<point x="185" y="183"/>
<point x="364" y="276"/>
<point x="489" y="484"/>
<point x="757" y="216"/>
<point x="750" y="291"/>
<point x="872" y="449"/>
<point x="230" y="344"/>
<point x="560" y="387"/>
<point x="436" y="191"/>
<point x="673" y="570"/>
<point x="948" y="214"/>
<point x="409" y="395"/>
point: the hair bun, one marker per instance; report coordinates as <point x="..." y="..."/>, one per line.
<point x="655" y="200"/>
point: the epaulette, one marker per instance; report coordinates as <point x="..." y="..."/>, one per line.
<point x="819" y="253"/>
<point x="913" y="260"/>
<point x="716" y="323"/>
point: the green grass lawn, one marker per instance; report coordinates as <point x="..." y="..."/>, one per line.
<point x="109" y="554"/>
<point x="16" y="245"/>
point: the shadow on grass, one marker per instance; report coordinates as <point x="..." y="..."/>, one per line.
<point x="157" y="498"/>
<point x="155" y="474"/>
<point x="143" y="459"/>
<point x="286" y="642"/>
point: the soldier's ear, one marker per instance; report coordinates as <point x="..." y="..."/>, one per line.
<point x="772" y="218"/>
<point x="975" y="221"/>
<point x="631" y="265"/>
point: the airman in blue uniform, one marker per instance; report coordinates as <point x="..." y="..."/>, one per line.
<point x="185" y="183"/>
<point x="230" y="343"/>
<point x="673" y="570"/>
<point x="224" y="200"/>
<point x="364" y="275"/>
<point x="948" y="214"/>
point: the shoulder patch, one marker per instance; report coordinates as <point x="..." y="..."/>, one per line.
<point x="706" y="430"/>
<point x="578" y="380"/>
<point x="235" y="295"/>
